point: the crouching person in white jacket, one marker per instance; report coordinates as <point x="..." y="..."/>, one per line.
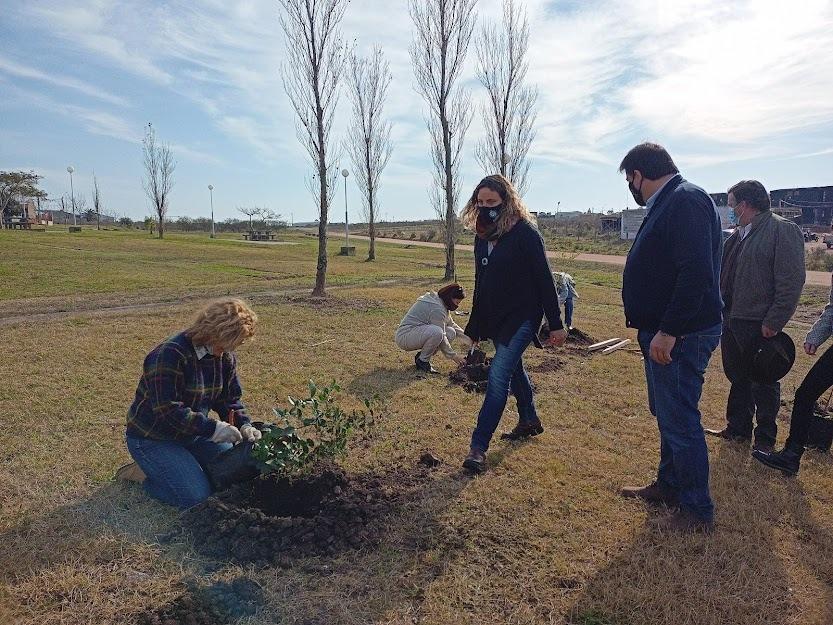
<point x="428" y="327"/>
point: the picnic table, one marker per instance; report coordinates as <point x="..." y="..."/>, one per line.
<point x="259" y="235"/>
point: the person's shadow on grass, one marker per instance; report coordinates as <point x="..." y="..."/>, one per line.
<point x="752" y="570"/>
<point x="382" y="381"/>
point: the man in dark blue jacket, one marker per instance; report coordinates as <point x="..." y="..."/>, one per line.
<point x="671" y="292"/>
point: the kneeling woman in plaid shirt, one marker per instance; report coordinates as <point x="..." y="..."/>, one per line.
<point x="169" y="432"/>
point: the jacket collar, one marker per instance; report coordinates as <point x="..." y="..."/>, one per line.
<point x="760" y="218"/>
<point x="666" y="189"/>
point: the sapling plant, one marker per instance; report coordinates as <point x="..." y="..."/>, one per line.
<point x="312" y="428"/>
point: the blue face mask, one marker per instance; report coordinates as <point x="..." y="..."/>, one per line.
<point x="732" y="217"/>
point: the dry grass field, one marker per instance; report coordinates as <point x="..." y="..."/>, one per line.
<point x="542" y="537"/>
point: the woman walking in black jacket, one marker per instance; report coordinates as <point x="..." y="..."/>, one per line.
<point x="513" y="290"/>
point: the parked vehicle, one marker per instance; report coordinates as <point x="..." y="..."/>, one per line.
<point x="809" y="235"/>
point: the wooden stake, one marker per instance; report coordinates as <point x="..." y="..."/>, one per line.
<point x="595" y="346"/>
<point x="618" y="345"/>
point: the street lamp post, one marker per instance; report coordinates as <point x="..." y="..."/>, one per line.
<point x="346" y="173"/>
<point x="71" y="169"/>
<point x="211" y="193"/>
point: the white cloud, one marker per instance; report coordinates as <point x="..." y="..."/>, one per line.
<point x="14" y="68"/>
<point x="723" y="81"/>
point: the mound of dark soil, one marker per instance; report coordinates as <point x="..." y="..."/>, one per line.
<point x="574" y="336"/>
<point x="473" y="375"/>
<point x="577" y="337"/>
<point x="551" y="364"/>
<point x="276" y="520"/>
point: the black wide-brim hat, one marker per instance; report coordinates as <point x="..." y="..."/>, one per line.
<point x="772" y="359"/>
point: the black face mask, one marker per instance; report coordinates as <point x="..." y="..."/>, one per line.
<point x="489" y="213"/>
<point x="637" y="193"/>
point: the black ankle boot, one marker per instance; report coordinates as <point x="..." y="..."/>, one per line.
<point x="787" y="460"/>
<point x="423" y="365"/>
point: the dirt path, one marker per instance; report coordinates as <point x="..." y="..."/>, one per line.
<point x="107" y="307"/>
<point x="816" y="278"/>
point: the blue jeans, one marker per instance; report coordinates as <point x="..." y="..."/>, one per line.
<point x="673" y="396"/>
<point x="173" y="469"/>
<point x="506" y="371"/>
<point x="568" y="312"/>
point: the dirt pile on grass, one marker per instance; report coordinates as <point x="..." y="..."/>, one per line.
<point x="550" y="365"/>
<point x="474" y="375"/>
<point x="575" y="337"/>
<point x="275" y="520"/>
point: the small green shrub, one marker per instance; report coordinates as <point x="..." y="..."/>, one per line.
<point x="312" y="428"/>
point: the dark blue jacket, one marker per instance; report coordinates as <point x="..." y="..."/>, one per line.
<point x="672" y="274"/>
<point x="512" y="285"/>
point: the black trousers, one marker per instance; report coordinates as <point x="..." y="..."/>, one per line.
<point x="748" y="400"/>
<point x="818" y="380"/>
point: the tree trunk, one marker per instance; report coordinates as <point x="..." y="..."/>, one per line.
<point x="161" y="227"/>
<point x="371" y="230"/>
<point x="449" y="204"/>
<point x="321" y="268"/>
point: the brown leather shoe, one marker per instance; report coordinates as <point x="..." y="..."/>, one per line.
<point x="683" y="521"/>
<point x="653" y="493"/>
<point x="475" y="461"/>
<point x="524" y="429"/>
<point x="130" y="473"/>
<point x="727" y="435"/>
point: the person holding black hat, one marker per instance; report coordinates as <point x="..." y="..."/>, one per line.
<point x="817" y="381"/>
<point x="761" y="282"/>
<point x="428" y="327"/>
<point x="514" y="289"/>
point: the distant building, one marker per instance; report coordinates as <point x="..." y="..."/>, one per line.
<point x="22" y="215"/>
<point x="805" y="205"/>
<point x="631" y="220"/>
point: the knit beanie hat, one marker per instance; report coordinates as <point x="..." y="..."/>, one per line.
<point x="449" y="292"/>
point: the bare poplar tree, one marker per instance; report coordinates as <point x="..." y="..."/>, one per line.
<point x="311" y="73"/>
<point x="368" y="140"/>
<point x="97" y="203"/>
<point x="159" y="170"/>
<point x="509" y="111"/>
<point x="443" y="29"/>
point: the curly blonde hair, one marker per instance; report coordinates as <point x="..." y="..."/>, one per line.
<point x="225" y="323"/>
<point x="513" y="207"/>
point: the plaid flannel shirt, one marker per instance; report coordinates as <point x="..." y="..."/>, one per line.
<point x="179" y="387"/>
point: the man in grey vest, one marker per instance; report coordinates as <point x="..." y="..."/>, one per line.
<point x="761" y="280"/>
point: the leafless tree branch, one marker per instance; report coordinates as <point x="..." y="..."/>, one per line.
<point x="509" y="110"/>
<point x="311" y="74"/>
<point x="443" y="29"/>
<point x="368" y="139"/>
<point x="159" y="169"/>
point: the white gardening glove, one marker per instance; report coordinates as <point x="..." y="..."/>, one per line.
<point x="225" y="433"/>
<point x="250" y="433"/>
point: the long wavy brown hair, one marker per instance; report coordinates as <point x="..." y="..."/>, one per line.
<point x="224" y="323"/>
<point x="513" y="207"/>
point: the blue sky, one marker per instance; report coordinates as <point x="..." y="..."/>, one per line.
<point x="735" y="90"/>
